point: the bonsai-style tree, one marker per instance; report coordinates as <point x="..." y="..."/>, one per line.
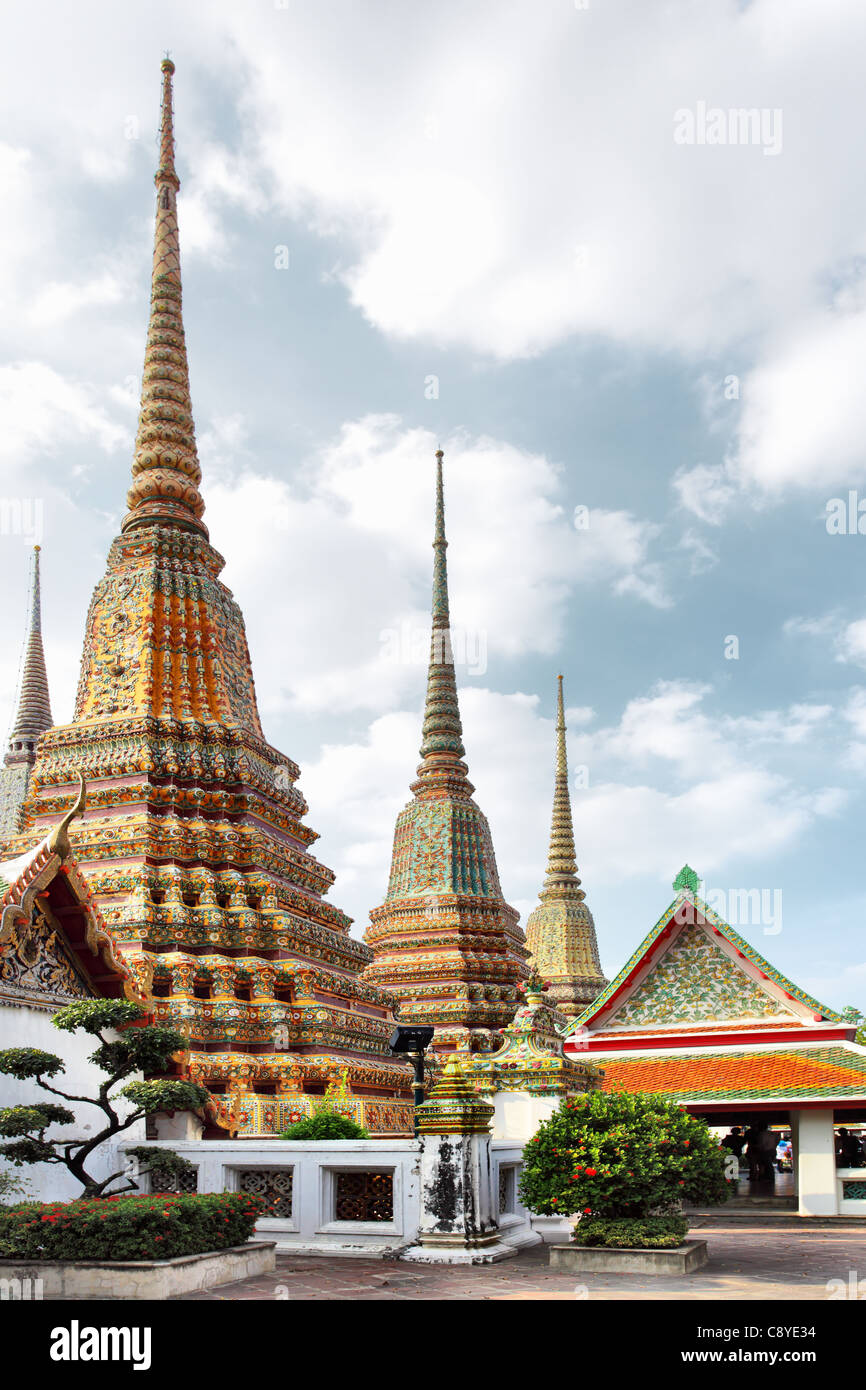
<point x="624" y="1163"/>
<point x="133" y="1050"/>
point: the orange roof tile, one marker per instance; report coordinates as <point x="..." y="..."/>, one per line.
<point x="807" y="1072"/>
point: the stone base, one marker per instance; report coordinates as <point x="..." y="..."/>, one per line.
<point x="460" y="1254"/>
<point x="598" y="1259"/>
<point x="553" y="1230"/>
<point x="150" y="1279"/>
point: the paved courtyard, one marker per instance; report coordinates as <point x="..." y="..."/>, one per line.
<point x="769" y="1260"/>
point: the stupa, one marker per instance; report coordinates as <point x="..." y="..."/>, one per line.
<point x="194" y="842"/>
<point x="32" y="716"/>
<point x="445" y="941"/>
<point x="560" y="932"/>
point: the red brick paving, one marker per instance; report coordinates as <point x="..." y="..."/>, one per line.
<point x="747" y="1261"/>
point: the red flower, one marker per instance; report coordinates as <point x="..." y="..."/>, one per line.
<point x="591" y="1172"/>
<point x="587" y="1211"/>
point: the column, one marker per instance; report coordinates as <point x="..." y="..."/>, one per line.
<point x="814" y="1161"/>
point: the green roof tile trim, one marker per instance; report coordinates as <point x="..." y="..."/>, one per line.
<point x="689" y="896"/>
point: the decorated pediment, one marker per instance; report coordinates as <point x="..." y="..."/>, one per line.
<point x="37" y="968"/>
<point x="696" y="981"/>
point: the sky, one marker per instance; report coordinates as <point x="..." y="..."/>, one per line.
<point x="611" y="256"/>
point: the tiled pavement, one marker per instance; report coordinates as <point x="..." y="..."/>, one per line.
<point x="746" y="1262"/>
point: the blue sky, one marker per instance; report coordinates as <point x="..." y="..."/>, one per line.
<point x="492" y="196"/>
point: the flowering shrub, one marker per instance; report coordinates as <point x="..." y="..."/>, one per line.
<point x="609" y="1154"/>
<point x="151" y="1227"/>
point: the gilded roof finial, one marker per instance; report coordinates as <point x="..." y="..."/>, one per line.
<point x="442" y="734"/>
<point x="33" y="715"/>
<point x="687" y="879"/>
<point x="165" y="468"/>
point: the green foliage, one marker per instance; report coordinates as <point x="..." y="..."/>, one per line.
<point x="855" y="1015"/>
<point x="12" y="1186"/>
<point x="24" y="1062"/>
<point x="165" y="1160"/>
<point x="22" y="1119"/>
<point x="91" y="1015"/>
<point x="327" y="1124"/>
<point x="632" y="1233"/>
<point x="139" y="1049"/>
<point x="128" y="1228"/>
<point x="150" y="1096"/>
<point x="608" y="1153"/>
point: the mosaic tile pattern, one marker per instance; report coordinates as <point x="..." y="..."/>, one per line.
<point x="696" y="982"/>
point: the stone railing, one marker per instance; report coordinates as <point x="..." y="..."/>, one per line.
<point x="345" y="1197"/>
<point x="851" y="1191"/>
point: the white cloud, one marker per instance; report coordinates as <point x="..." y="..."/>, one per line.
<point x="363" y="526"/>
<point x="40" y="408"/>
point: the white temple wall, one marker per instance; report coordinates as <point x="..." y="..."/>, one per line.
<point x="517" y="1114"/>
<point x="22" y="1026"/>
<point x="305" y="1179"/>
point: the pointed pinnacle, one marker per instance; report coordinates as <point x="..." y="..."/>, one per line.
<point x="561" y="877"/>
<point x="165" y="469"/>
<point x="442" y="742"/>
<point x="33" y="715"/>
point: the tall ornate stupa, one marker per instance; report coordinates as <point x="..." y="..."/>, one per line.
<point x="560" y="932"/>
<point x="445" y="942"/>
<point x="32" y="716"/>
<point x="193" y="840"/>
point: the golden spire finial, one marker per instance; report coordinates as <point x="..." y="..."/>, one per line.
<point x="165" y="468"/>
<point x="33" y="714"/>
<point x="561" y="862"/>
<point x="442" y="741"/>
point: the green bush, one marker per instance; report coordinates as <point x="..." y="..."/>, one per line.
<point x="129" y="1228"/>
<point x="632" y="1233"/>
<point x="613" y="1154"/>
<point x="328" y="1124"/>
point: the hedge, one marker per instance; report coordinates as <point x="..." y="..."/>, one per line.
<point x="631" y="1233"/>
<point x="145" y="1227"/>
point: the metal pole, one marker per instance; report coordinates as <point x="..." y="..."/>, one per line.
<point x="418" y="1065"/>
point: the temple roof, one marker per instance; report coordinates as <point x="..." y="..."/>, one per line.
<point x="830" y="1072"/>
<point x="43" y="896"/>
<point x="694" y="973"/>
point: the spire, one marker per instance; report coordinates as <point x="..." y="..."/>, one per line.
<point x="165" y="469"/>
<point x="561" y="875"/>
<point x="442" y="734"/>
<point x="33" y="715"/>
